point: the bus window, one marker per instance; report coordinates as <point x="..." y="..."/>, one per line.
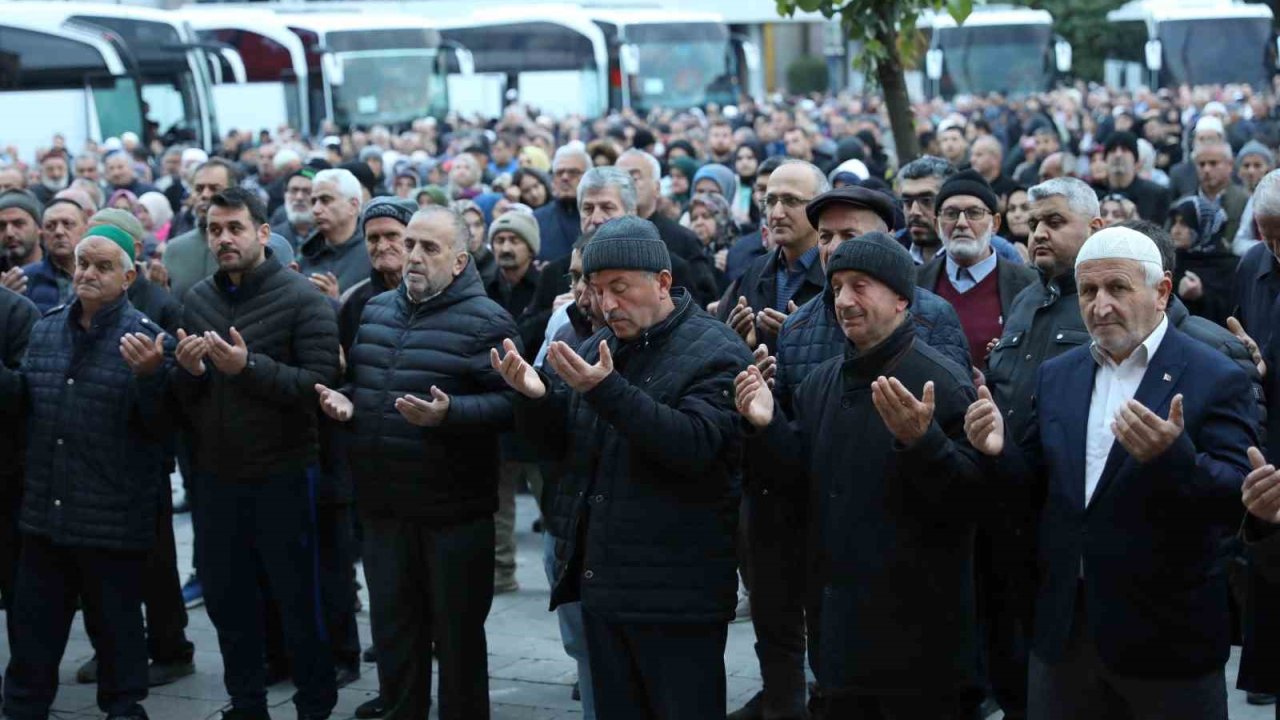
<point x="35" y="60"/>
<point x="681" y="65"/>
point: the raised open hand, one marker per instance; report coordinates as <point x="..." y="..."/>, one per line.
<point x="516" y="372"/>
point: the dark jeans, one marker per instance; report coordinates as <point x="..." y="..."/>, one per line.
<point x="908" y="707"/>
<point x="50" y="578"/>
<point x="656" y="671"/>
<point x="430" y="586"/>
<point x="777" y="568"/>
<point x="251" y="531"/>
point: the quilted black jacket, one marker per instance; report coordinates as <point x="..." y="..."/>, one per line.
<point x="96" y="431"/>
<point x="651" y="457"/>
<point x="17" y="316"/>
<point x="446" y="474"/>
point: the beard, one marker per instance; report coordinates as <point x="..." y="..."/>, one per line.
<point x="968" y="249"/>
<point x="56" y="185"/>
<point x="299" y="217"/>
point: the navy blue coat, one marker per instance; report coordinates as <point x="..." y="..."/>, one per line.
<point x="17" y="316"/>
<point x="1155" y="587"/>
<point x="47" y="286"/>
<point x="95" y="431"/>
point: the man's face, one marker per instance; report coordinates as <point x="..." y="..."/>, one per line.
<point x="502" y="153"/>
<point x="330" y="209"/>
<point x="759" y="189"/>
<point x="512" y="252"/>
<point x="953" y="145"/>
<point x="1269" y="231"/>
<point x="566" y="173"/>
<point x="297" y="195"/>
<point x="102" y="273"/>
<point x="464" y="172"/>
<point x="1057" y="232"/>
<point x="54" y="170"/>
<point x="433" y="262"/>
<point x="1046" y="144"/>
<point x="63" y="226"/>
<point x="630" y="300"/>
<point x="1120" y="163"/>
<point x="234" y="239"/>
<point x="209" y="181"/>
<point x="868" y="311"/>
<point x="476" y="229"/>
<point x="797" y="142"/>
<point x="1052" y="167"/>
<point x="87" y="168"/>
<point x="600" y="206"/>
<point x="12" y="179"/>
<point x="267" y="162"/>
<point x="721" y="139"/>
<point x="1118" y="307"/>
<point x="384" y="239"/>
<point x="917" y="202"/>
<point x="1252" y="170"/>
<point x="985" y="158"/>
<point x="647" y="186"/>
<point x="790" y="188"/>
<point x="119" y="170"/>
<point x="19" y="233"/>
<point x="839" y="223"/>
<point x="966" y="227"/>
<point x="404" y="186"/>
<point x="583" y="296"/>
<point x="1213" y="167"/>
<point x="171" y="163"/>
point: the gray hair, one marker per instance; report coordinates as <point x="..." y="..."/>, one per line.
<point x="1080" y="197"/>
<point x="821" y="183"/>
<point x="1266" y="197"/>
<point x="927" y="166"/>
<point x="655" y="168"/>
<point x="88" y="156"/>
<point x="347" y="184"/>
<point x="599" y="178"/>
<point x="571" y="150"/>
<point x="461" y="233"/>
<point x="125" y="263"/>
<point x="1222" y="147"/>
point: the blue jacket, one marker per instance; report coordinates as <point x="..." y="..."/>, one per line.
<point x="95" y="431"/>
<point x="557" y="230"/>
<point x="812" y="336"/>
<point x="47" y="286"/>
<point x="1155" y="589"/>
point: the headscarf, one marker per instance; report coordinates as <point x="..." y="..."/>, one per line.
<point x="158" y="208"/>
<point x="1207" y="219"/>
<point x="725" y="228"/>
<point x="127" y="195"/>
<point x="486" y="201"/>
<point x="688" y="167"/>
<point x="722" y="176"/>
<point x="537" y="158"/>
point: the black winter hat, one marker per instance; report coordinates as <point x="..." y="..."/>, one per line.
<point x="855" y="195"/>
<point x="393" y="207"/>
<point x="626" y="243"/>
<point x="880" y="256"/>
<point x="1125" y="140"/>
<point x="967" y="182"/>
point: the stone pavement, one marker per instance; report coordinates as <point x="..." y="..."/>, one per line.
<point x="530" y="676"/>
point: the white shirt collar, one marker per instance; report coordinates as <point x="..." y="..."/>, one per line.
<point x="978" y="271"/>
<point x="1142" y="354"/>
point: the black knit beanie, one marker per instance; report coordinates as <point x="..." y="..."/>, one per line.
<point x="967" y="182"/>
<point x="880" y="256"/>
<point x="626" y="243"/>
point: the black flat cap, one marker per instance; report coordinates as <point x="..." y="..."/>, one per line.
<point x="866" y="198"/>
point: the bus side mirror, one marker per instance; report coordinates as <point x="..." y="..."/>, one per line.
<point x="629" y="59"/>
<point x="751" y="54"/>
<point x="933" y="64"/>
<point x="1155" y="55"/>
<point x="1062" y="56"/>
<point x="466" y="61"/>
<point x="333" y="69"/>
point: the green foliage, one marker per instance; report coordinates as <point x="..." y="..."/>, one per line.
<point x="880" y="25"/>
<point x="808" y="74"/>
<point x="1083" y="23"/>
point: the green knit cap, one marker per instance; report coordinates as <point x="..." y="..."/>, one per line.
<point x="115" y="235"/>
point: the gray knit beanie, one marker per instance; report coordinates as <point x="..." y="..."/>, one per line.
<point x="1253" y="147"/>
<point x="392" y="207"/>
<point x="626" y="243"/>
<point x="24" y="201"/>
<point x="879" y="256"/>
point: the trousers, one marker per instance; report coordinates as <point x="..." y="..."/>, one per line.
<point x="776" y="558"/>
<point x="572" y="634"/>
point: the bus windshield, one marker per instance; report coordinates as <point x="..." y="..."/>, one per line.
<point x="1211" y="51"/>
<point x="981" y="59"/>
<point x="681" y="65"/>
<point x="388" y="86"/>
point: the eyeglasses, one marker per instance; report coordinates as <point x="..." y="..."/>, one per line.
<point x="951" y="216"/>
<point x="790" y="202"/>
<point x="926" y="200"/>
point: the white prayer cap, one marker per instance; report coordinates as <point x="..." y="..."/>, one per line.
<point x="1120" y="243"/>
<point x="1215" y="108"/>
<point x="1210" y="123"/>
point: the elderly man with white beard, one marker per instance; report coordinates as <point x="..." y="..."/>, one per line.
<point x="969" y="274"/>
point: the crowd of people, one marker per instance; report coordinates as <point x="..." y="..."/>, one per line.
<point x="980" y="429"/>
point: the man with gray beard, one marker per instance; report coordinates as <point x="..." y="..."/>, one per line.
<point x="978" y="283"/>
<point x="55" y="175"/>
<point x="293" y="220"/>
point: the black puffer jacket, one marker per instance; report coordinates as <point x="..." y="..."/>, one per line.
<point x="891" y="529"/>
<point x="651" y="457"/>
<point x="17" y="316"/>
<point x="156" y="303"/>
<point x="261" y="422"/>
<point x="446" y="474"/>
<point x="96" y="431"/>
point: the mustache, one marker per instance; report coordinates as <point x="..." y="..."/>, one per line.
<point x="613" y="315"/>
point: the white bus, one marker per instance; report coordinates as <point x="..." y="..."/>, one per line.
<point x="1003" y="49"/>
<point x="61" y="80"/>
<point x="1194" y="42"/>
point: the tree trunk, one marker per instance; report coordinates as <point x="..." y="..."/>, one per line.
<point x="894" y="87"/>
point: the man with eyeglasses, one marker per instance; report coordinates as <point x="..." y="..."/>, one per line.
<point x="294" y="220"/>
<point x="919" y="182"/>
<point x="980" y="285"/>
<point x="558" y="222"/>
<point x="786" y="277"/>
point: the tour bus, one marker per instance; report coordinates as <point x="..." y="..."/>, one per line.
<point x="156" y="46"/>
<point x="365" y="67"/>
<point x="75" y="75"/>
<point x="1193" y="42"/>
<point x="997" y="49"/>
<point x="273" y="62"/>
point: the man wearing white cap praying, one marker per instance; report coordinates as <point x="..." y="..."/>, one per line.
<point x="1135" y="458"/>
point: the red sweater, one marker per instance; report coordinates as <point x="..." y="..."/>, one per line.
<point x="979" y="311"/>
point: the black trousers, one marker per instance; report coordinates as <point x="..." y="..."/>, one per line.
<point x="1005" y="613"/>
<point x="656" y="671"/>
<point x="50" y="579"/>
<point x="10" y="538"/>
<point x="908" y="707"/>
<point x="430" y="586"/>
<point x="258" y="529"/>
<point x="776" y="558"/>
